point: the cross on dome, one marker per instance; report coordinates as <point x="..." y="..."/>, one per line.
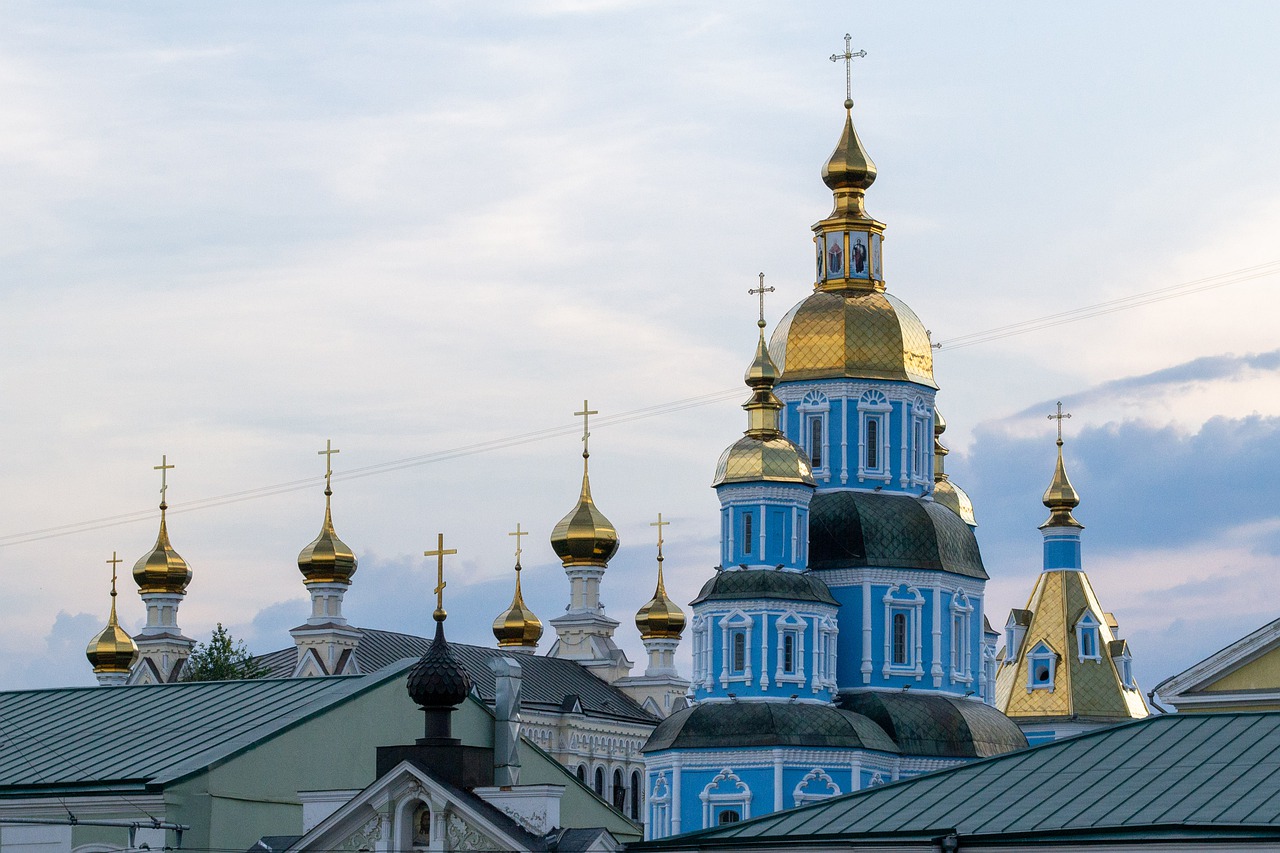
<point x="114" y="561"/>
<point x="762" y="290"/>
<point x="327" y="453"/>
<point x="848" y="56"/>
<point x="1059" y="417"/>
<point x="519" y="534"/>
<point x="164" y="467"/>
<point x="659" y="524"/>
<point x="440" y="553"/>
<point x="585" y="414"/>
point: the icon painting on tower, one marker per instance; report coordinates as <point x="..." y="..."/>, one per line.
<point x="835" y="255"/>
<point x="818" y="247"/>
<point x="859" y="257"/>
<point x="875" y="257"/>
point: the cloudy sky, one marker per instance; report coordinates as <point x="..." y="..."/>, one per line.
<point x="427" y="231"/>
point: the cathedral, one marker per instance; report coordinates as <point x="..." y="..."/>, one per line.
<point x="841" y="642"/>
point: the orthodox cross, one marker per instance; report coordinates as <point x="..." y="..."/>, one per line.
<point x="327" y="453"/>
<point x="762" y="290"/>
<point x="585" y="414"/>
<point x="440" y="553"/>
<point x="848" y="56"/>
<point x="519" y="534"/>
<point x="659" y="524"/>
<point x="164" y="467"/>
<point x="1059" y="417"/>
<point x="114" y="561"/>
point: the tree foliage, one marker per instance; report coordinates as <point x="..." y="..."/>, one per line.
<point x="223" y="658"/>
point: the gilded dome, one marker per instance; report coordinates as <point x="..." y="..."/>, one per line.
<point x="852" y="334"/>
<point x="751" y="459"/>
<point x="327" y="559"/>
<point x="584" y="537"/>
<point x="1061" y="497"/>
<point x="955" y="499"/>
<point x="162" y="569"/>
<point x="112" y="650"/>
<point x="660" y="618"/>
<point x="517" y="627"/>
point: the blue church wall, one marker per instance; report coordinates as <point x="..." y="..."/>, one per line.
<point x="764" y="524"/>
<point x="764" y="649"/>
<point x="750" y="782"/>
<point x="917" y="630"/>
<point x="832" y="420"/>
<point x="1062" y="548"/>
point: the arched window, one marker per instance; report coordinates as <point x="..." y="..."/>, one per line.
<point x="635" y="795"/>
<point x="815" y="442"/>
<point x="900" y="653"/>
<point x="729" y="816"/>
<point x="600" y="781"/>
<point x="619" y="791"/>
<point x="582" y="773"/>
<point x="873" y="444"/>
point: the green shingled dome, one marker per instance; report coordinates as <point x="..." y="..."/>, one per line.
<point x="745" y="724"/>
<point x="765" y="583"/>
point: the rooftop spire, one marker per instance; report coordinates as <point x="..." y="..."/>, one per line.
<point x="585" y="536"/>
<point x="1061" y="496"/>
<point x="327" y="559"/>
<point x="517" y="627"/>
<point x="162" y="569"/>
<point x="763" y="406"/>
<point x="660" y="617"/>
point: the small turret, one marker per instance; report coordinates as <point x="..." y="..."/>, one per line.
<point x="517" y="628"/>
<point x="112" y="653"/>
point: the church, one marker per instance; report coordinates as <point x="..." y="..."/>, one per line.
<point x="840" y="644"/>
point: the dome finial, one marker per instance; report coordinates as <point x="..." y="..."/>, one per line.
<point x="584" y="536"/>
<point x="517" y="627"/>
<point x="660" y="617"/>
<point x="763" y="407"/>
<point x="438" y="681"/>
<point x="1061" y="496"/>
<point x="112" y="652"/>
<point x="848" y="56"/>
<point x="849" y="166"/>
<point x="327" y="559"/>
<point x="161" y="569"/>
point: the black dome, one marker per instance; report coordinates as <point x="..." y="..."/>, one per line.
<point x="742" y="724"/>
<point x="859" y="529"/>
<point x="438" y="680"/>
<point x="938" y="726"/>
<point x="765" y="583"/>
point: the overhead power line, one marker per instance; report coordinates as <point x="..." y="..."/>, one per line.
<point x="973" y="339"/>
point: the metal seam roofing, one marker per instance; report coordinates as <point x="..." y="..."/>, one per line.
<point x="1201" y="773"/>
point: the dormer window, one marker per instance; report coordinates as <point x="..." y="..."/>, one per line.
<point x="1042" y="665"/>
<point x="1087" y="640"/>
<point x="1015" y="630"/>
<point x="1124" y="664"/>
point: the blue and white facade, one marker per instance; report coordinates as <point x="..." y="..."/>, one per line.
<point x="840" y="643"/>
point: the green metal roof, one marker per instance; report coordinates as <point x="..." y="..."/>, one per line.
<point x="1174" y="776"/>
<point x="85" y="738"/>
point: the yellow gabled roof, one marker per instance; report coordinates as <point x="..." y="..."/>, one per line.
<point x="1082" y="688"/>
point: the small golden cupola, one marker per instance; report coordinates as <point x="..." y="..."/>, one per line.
<point x="162" y="570"/>
<point x="946" y="492"/>
<point x="1061" y="497"/>
<point x="112" y="653"/>
<point x="585" y="537"/>
<point x="660" y="618"/>
<point x="517" y="628"/>
<point x="327" y="559"/>
<point x="763" y="452"/>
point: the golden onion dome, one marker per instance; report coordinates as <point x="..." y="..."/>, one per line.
<point x="162" y="569"/>
<point x="517" y="627"/>
<point x="852" y="334"/>
<point x="327" y="559"/>
<point x="660" y="618"/>
<point x="849" y="166"/>
<point x="1061" y="497"/>
<point x="775" y="460"/>
<point x="112" y="650"/>
<point x="584" y="537"/>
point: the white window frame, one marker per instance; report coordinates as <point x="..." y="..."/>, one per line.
<point x="824" y="652"/>
<point x="815" y="407"/>
<point x="874" y="406"/>
<point x="1124" y="669"/>
<point x="733" y="622"/>
<point x="1089" y="627"/>
<point x="1042" y="652"/>
<point x="961" y="632"/>
<point x="739" y="797"/>
<point x="790" y="624"/>
<point x="908" y="600"/>
<point x="1014" y="634"/>
<point x="819" y="779"/>
<point x="922" y="443"/>
<point x="660" y="807"/>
